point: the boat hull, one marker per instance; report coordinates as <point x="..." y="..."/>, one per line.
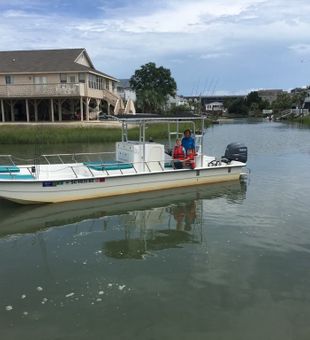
<point x="55" y="191"/>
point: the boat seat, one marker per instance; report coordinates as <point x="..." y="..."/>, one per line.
<point x="9" y="168"/>
<point x="108" y="165"/>
<point x="15" y="176"/>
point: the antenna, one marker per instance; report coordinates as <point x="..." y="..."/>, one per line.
<point x="214" y="87"/>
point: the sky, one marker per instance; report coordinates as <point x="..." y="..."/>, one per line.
<point x="211" y="47"/>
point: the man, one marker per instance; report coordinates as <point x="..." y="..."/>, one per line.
<point x="188" y="141"/>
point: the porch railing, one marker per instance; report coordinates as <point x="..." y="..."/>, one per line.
<point x="41" y="90"/>
<point x="55" y="90"/>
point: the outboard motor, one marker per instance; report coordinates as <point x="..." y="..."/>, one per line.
<point x="235" y="152"/>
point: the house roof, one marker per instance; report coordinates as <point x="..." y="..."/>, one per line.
<point x="215" y="103"/>
<point x="124" y="83"/>
<point x="36" y="61"/>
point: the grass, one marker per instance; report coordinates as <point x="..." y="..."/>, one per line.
<point x="305" y="120"/>
<point x="39" y="134"/>
<point x="56" y="134"/>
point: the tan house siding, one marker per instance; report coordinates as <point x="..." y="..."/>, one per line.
<point x="83" y="60"/>
<point x="23" y="79"/>
<point x="51" y="78"/>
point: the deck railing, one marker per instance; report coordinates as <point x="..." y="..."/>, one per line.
<point x="106" y="159"/>
<point x="42" y="90"/>
<point x="55" y="90"/>
<point x="95" y="163"/>
<point x="6" y="160"/>
<point x="57" y="158"/>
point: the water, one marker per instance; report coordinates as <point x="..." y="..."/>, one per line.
<point x="225" y="261"/>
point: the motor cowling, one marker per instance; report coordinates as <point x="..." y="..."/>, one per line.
<point x="235" y="152"/>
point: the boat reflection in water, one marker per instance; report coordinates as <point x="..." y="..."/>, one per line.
<point x="178" y="220"/>
<point x="131" y="226"/>
<point x="157" y="229"/>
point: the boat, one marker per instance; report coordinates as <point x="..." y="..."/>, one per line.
<point x="137" y="166"/>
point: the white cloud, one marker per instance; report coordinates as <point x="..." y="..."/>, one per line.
<point x="193" y="34"/>
<point x="176" y="17"/>
<point x="301" y="49"/>
<point x="16" y="14"/>
<point x="215" y="55"/>
<point x="180" y="26"/>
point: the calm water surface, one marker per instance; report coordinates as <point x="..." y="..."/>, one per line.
<point x="228" y="261"/>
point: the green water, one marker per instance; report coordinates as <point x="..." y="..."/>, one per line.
<point x="225" y="261"/>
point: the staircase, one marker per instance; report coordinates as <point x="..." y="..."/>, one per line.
<point x="110" y="97"/>
<point x="116" y="101"/>
<point x="284" y="114"/>
<point x="130" y="107"/>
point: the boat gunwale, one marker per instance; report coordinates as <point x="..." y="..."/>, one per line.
<point x="97" y="176"/>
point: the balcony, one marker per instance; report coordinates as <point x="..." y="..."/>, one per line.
<point x="42" y="90"/>
<point x="59" y="90"/>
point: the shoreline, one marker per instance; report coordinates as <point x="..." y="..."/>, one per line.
<point x="101" y="124"/>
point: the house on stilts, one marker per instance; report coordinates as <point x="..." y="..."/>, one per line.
<point x="55" y="85"/>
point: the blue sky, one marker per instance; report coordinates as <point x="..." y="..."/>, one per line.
<point x="211" y="47"/>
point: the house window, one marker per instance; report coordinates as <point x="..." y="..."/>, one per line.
<point x="81" y="77"/>
<point x="98" y="83"/>
<point x="63" y="78"/>
<point x="95" y="82"/>
<point x="91" y="81"/>
<point x="71" y="78"/>
<point x="40" y="80"/>
<point x="8" y="80"/>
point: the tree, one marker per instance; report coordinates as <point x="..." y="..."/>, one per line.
<point x="252" y="104"/>
<point x="299" y="98"/>
<point x="175" y="109"/>
<point x="255" y="103"/>
<point x="283" y="102"/>
<point x="237" y="106"/>
<point x="153" y="85"/>
<point x="252" y="98"/>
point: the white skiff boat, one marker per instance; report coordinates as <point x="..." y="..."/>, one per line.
<point x="139" y="166"/>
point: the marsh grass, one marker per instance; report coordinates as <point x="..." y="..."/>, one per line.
<point x="56" y="134"/>
<point x="305" y="120"/>
<point x="39" y="134"/>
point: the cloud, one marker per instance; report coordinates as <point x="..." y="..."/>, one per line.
<point x="215" y="55"/>
<point x="184" y="35"/>
<point x="177" y="17"/>
<point x="302" y="49"/>
<point x="16" y="14"/>
<point x="178" y="26"/>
